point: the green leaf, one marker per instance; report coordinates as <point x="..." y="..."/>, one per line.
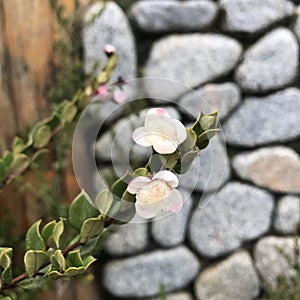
<point x="80" y="210"/>
<point x="34" y="240"/>
<point x="88" y="261"/>
<point x="72" y="272"/>
<point x="41" y="136"/>
<point x="67" y="112"/>
<point x="197" y="127"/>
<point x="207" y="122"/>
<point x="34" y="260"/>
<point x="189" y="142"/>
<point x="91" y="228"/>
<point x="186" y="162"/>
<point x="39" y="153"/>
<point x="170" y="160"/>
<point x="53" y="121"/>
<point x="58" y="262"/>
<point x="74" y="259"/>
<point x="120" y="186"/>
<point x="6" y="265"/>
<point x="203" y="139"/>
<point x="104" y="201"/>
<point x="57" y="232"/>
<point x="8" y="158"/>
<point x="19" y="145"/>
<point x="47" y="231"/>
<point x="2" y="169"/>
<point x="141" y="172"/>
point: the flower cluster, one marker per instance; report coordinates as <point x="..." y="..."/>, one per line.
<point x="157" y="193"/>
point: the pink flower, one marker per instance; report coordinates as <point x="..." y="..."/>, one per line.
<point x="109" y="50"/>
<point x="102" y="92"/>
<point x="156" y="195"/>
<point x="160" y="131"/>
<point x="119" y="96"/>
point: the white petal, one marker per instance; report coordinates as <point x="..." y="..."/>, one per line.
<point x="167" y="176"/>
<point x="137" y="183"/>
<point x="172" y="203"/>
<point x="158" y="111"/>
<point x="164" y="146"/>
<point x="147" y="210"/>
<point x="140" y="137"/>
<point x="181" y="131"/>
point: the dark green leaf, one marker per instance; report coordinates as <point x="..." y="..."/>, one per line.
<point x="74" y="259"/>
<point x="186" y="162"/>
<point x="203" y="139"/>
<point x="141" y="172"/>
<point x="170" y="160"/>
<point x="47" y="231"/>
<point x="190" y="141"/>
<point x="41" y="136"/>
<point x="120" y="186"/>
<point x="80" y="210"/>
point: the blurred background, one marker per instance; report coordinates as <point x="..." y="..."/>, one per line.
<point x="242" y="58"/>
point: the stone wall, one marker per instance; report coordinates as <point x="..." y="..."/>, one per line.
<point x="242" y="58"/>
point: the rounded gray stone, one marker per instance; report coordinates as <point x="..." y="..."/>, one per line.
<point x="141" y="276"/>
<point x="109" y="26"/>
<point x="190" y="60"/>
<point x="271" y="63"/>
<point x="287" y="216"/>
<point x="262" y="120"/>
<point x="252" y="16"/>
<point x="237" y="213"/>
<point x="171" y="230"/>
<point x="271" y="255"/>
<point x="231" y="279"/>
<point x="127" y="240"/>
<point x="258" y="166"/>
<point x="210" y="170"/>
<point x="212" y="97"/>
<point x="173" y="16"/>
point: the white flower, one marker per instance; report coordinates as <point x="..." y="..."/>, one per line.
<point x="156" y="195"/>
<point x="160" y="131"/>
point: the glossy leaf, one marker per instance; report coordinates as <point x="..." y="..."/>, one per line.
<point x="34" y="260"/>
<point x="74" y="259"/>
<point x="34" y="240"/>
<point x="104" y="201"/>
<point x="91" y="228"/>
<point x="80" y="210"/>
<point x="47" y="232"/>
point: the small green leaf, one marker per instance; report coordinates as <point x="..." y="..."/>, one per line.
<point x="120" y="186"/>
<point x="141" y="172"/>
<point x="91" y="228"/>
<point x="47" y="231"/>
<point x="80" y="210"/>
<point x="189" y="142"/>
<point x="74" y="259"/>
<point x="41" y="136"/>
<point x="203" y="139"/>
<point x="88" y="261"/>
<point x="2" y="169"/>
<point x="67" y="112"/>
<point x="126" y="210"/>
<point x="72" y="272"/>
<point x="57" y="232"/>
<point x="34" y="240"/>
<point x="34" y="260"/>
<point x="186" y="162"/>
<point x="6" y="265"/>
<point x="207" y="122"/>
<point x="197" y="127"/>
<point x="58" y="262"/>
<point x="53" y="122"/>
<point x="170" y="160"/>
<point x="104" y="201"/>
<point x="19" y="145"/>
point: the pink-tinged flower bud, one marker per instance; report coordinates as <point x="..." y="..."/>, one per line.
<point x="156" y="195"/>
<point x="109" y="50"/>
<point x="102" y="92"/>
<point x="160" y="131"/>
<point x="119" y="96"/>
